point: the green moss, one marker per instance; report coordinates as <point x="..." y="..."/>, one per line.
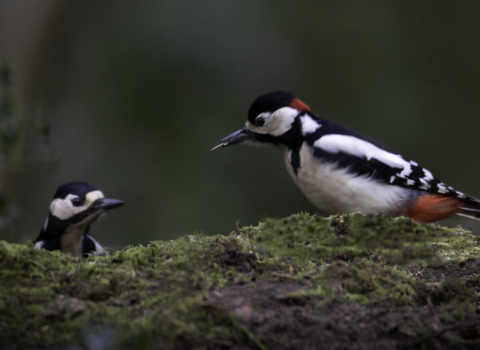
<point x="160" y="292"/>
<point x="304" y="237"/>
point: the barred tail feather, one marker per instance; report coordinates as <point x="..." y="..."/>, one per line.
<point x="471" y="210"/>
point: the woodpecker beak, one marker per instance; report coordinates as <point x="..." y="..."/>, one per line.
<point x="237" y="137"/>
<point x="107" y="204"/>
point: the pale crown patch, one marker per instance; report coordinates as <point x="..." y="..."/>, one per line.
<point x="93" y="196"/>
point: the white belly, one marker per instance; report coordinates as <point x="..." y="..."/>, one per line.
<point x="334" y="190"/>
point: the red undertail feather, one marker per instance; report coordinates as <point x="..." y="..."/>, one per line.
<point x="434" y="207"/>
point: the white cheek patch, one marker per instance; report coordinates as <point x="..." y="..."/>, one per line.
<point x="258" y="129"/>
<point x="277" y="123"/>
<point x="64" y="209"/>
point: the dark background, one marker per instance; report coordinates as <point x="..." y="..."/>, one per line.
<point x="137" y="93"/>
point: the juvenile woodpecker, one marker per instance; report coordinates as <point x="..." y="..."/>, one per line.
<point x="75" y="206"/>
<point x="343" y="171"/>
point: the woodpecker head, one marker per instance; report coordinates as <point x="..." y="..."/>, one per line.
<point x="271" y="118"/>
<point x="75" y="206"/>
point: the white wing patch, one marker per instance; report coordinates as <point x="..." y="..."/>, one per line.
<point x="428" y="174"/>
<point x="425" y="185"/>
<point x="98" y="247"/>
<point x="39" y="245"/>
<point x="442" y="189"/>
<point x="309" y="126"/>
<point x="360" y="148"/>
<point x="461" y="195"/>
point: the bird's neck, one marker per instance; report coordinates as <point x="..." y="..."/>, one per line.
<point x="292" y="139"/>
<point x="72" y="240"/>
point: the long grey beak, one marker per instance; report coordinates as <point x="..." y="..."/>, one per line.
<point x="108" y="204"/>
<point x="237" y="137"/>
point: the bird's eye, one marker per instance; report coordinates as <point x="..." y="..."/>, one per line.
<point x="76" y="202"/>
<point x="259" y="121"/>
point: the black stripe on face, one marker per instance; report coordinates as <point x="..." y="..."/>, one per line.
<point x="293" y="139"/>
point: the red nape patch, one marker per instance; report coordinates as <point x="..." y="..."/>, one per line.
<point x="434" y="207"/>
<point x="299" y="105"/>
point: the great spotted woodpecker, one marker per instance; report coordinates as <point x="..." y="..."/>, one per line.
<point x="75" y="206"/>
<point x="342" y="171"/>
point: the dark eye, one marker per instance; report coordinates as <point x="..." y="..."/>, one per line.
<point x="259" y="121"/>
<point x="76" y="202"/>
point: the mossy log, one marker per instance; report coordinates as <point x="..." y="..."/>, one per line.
<point x="303" y="282"/>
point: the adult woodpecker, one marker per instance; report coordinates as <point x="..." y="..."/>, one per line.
<point x="75" y="206"/>
<point x="342" y="171"/>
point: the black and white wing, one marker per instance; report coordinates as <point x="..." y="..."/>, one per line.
<point x="364" y="158"/>
<point x="90" y="245"/>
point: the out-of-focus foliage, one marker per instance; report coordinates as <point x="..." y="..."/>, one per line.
<point x="15" y="136"/>
<point x="138" y="93"/>
<point x="9" y="126"/>
<point x="9" y="147"/>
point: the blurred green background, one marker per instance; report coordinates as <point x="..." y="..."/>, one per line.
<point x="136" y="94"/>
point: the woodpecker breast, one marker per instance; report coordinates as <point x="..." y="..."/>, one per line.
<point x="336" y="190"/>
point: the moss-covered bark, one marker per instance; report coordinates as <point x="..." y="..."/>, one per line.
<point x="346" y="282"/>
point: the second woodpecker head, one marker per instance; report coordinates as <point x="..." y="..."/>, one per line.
<point x="75" y="206"/>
